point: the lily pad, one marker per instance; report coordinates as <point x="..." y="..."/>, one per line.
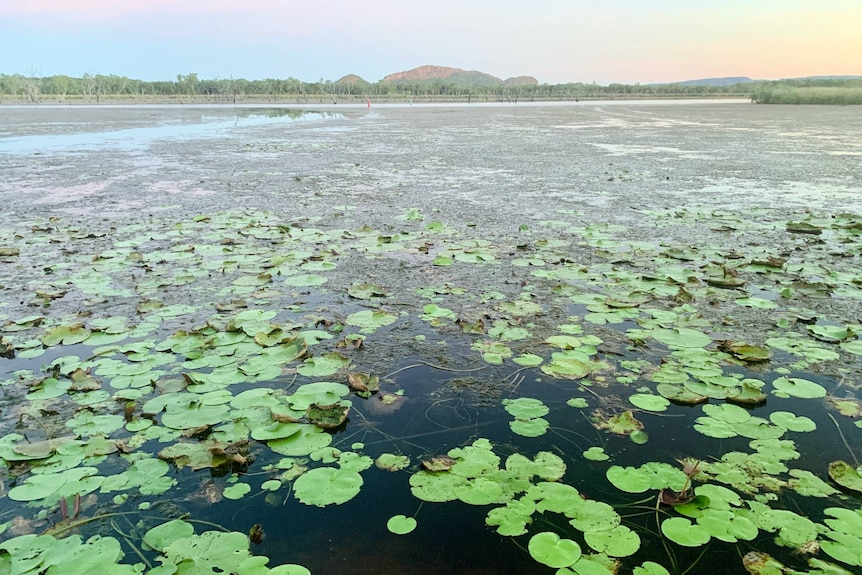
<point x="327" y="486"/>
<point x="392" y="462"/>
<point x="798" y="387"/>
<point x="681" y="337"/>
<point x="549" y="549"/>
<point x="371" y="320"/>
<point x="525" y="407"/>
<point x="649" y="402"/>
<point x="845" y="475"/>
<point x="596" y="454"/>
<point x="617" y="542"/>
<point x="792" y="422"/>
<point x="683" y="532"/>
<point x="401" y="525"/>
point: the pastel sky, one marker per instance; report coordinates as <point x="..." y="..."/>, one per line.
<point x="556" y="41"/>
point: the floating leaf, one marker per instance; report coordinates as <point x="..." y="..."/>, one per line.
<point x="617" y="542"/>
<point x="529" y="427"/>
<point x="757" y="563"/>
<point x="525" y="407"/>
<point x="682" y="532"/>
<point x="798" y="387"/>
<point x="327" y="486"/>
<point x="547" y="548"/>
<point x="649" y="402"/>
<point x="846" y="475"/>
<point x="830" y="333"/>
<point x="681" y="337"/>
<point x="392" y="462"/>
<point x="596" y="454"/>
<point x="792" y="422"/>
<point x="401" y="525"/>
<point x="370" y="320"/>
<point x="66" y="334"/>
<point x="650" y="568"/>
<point x="366" y="291"/>
<point x="746" y="352"/>
<point x="532" y="360"/>
<point x="854" y="347"/>
<point x="305" y="280"/>
<point x="621" y="424"/>
<point x="237" y="490"/>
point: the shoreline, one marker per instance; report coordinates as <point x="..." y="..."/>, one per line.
<point x="346" y="101"/>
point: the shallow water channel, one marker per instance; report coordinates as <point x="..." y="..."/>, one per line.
<point x="567" y="338"/>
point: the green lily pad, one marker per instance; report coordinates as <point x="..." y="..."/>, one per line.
<point x="401" y="525"/>
<point x="66" y="334"/>
<point x="792" y="422"/>
<point x="844" y="475"/>
<point x="798" y="387"/>
<point x="549" y="549"/>
<point x="327" y="486"/>
<point x="650" y="568"/>
<point x="649" y="402"/>
<point x="725" y="525"/>
<point x="370" y="320"/>
<point x="681" y="337"/>
<point x="596" y="454"/>
<point x="683" y="532"/>
<point x="321" y="366"/>
<point x="237" y="490"/>
<point x="594" y="516"/>
<point x="305" y="280"/>
<point x="392" y="462"/>
<point x="161" y="536"/>
<point x="525" y="407"/>
<point x="529" y="427"/>
<point x="746" y="352"/>
<point x="830" y="333"/>
<point x="854" y="347"/>
<point x="532" y="360"/>
<point x="366" y="291"/>
<point x="617" y="542"/>
<point x="649" y="476"/>
<point x="512" y="520"/>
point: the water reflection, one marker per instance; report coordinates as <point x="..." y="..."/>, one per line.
<point x="95" y="136"/>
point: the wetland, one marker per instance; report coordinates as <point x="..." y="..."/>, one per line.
<point x="605" y="337"/>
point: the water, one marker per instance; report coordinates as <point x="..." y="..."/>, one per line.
<point x="213" y="184"/>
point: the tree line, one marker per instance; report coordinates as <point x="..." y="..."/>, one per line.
<point x="99" y="87"/>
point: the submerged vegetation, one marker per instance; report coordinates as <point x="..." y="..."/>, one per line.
<point x="679" y="386"/>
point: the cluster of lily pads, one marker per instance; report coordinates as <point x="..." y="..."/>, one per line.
<point x="241" y="339"/>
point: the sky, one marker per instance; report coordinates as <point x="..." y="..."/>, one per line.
<point x="556" y="41"/>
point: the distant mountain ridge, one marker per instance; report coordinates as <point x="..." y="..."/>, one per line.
<point x="431" y="73"/>
<point x="728" y="81"/>
<point x="731" y="80"/>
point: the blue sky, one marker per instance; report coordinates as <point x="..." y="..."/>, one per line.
<point x="554" y="40"/>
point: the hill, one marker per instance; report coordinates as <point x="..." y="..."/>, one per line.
<point x="728" y="81"/>
<point x="351" y="79"/>
<point x="455" y="75"/>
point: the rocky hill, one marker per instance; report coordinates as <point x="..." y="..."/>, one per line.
<point x="351" y="79"/>
<point x="521" y="81"/>
<point x="455" y="75"/>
